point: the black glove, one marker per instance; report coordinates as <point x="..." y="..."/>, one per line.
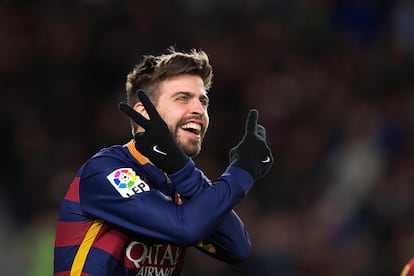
<point x="252" y="153"/>
<point x="157" y="142"/>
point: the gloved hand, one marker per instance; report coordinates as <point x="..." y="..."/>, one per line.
<point x="252" y="153"/>
<point x="157" y="142"/>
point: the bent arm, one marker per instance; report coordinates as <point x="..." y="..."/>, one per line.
<point x="150" y="213"/>
<point x="230" y="241"/>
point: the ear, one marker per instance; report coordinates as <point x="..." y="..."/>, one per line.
<point x="139" y="107"/>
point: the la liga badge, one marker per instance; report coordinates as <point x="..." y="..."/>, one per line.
<point x="127" y="183"/>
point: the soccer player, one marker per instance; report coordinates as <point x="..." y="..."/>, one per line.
<point x="133" y="209"/>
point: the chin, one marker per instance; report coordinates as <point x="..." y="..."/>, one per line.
<point x="192" y="152"/>
<point x="192" y="149"/>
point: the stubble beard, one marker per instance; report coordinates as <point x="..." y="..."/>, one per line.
<point x="191" y="147"/>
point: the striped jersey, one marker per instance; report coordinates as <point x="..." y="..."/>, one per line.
<point x="123" y="216"/>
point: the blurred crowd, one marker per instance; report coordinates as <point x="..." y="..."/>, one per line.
<point x="332" y="80"/>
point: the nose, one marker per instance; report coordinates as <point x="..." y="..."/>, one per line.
<point x="197" y="107"/>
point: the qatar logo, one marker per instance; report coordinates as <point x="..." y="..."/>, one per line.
<point x="127" y="183"/>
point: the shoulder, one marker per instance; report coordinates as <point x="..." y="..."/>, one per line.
<point x="113" y="152"/>
<point x="109" y="159"/>
<point x="111" y="156"/>
<point x="114" y="166"/>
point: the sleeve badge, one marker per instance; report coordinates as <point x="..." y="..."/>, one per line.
<point x="127" y="183"/>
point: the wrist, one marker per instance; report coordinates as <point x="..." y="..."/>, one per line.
<point x="239" y="176"/>
<point x="172" y="166"/>
<point x="183" y="180"/>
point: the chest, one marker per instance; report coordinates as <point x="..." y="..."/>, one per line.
<point x="153" y="258"/>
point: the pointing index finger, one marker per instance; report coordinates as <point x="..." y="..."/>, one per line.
<point x="251" y="121"/>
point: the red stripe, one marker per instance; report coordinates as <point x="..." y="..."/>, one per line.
<point x="73" y="192"/>
<point x="71" y="233"/>
<point x="111" y="241"/>
<point x="67" y="273"/>
<point x="63" y="273"/>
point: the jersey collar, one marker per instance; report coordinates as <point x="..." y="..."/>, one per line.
<point x="133" y="150"/>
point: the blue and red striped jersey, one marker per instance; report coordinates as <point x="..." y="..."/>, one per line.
<point x="123" y="216"/>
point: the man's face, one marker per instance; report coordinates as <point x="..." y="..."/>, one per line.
<point x="183" y="103"/>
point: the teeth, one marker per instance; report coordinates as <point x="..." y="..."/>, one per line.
<point x="192" y="126"/>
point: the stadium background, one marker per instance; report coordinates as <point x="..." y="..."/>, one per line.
<point x="332" y="81"/>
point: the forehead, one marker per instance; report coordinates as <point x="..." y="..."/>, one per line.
<point x="182" y="83"/>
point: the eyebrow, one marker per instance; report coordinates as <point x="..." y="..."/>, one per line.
<point x="188" y="93"/>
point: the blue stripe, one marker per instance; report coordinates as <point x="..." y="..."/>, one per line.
<point x="100" y="262"/>
<point x="71" y="212"/>
<point x="64" y="257"/>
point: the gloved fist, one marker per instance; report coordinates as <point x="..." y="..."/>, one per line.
<point x="252" y="153"/>
<point x="157" y="142"/>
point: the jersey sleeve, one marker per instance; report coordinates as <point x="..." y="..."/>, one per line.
<point x="230" y="241"/>
<point x="189" y="181"/>
<point x="119" y="195"/>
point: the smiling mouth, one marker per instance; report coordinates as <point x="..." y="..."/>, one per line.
<point x="192" y="127"/>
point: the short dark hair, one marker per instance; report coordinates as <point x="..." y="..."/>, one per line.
<point x="148" y="73"/>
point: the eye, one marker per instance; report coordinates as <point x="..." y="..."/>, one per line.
<point x="183" y="98"/>
<point x="204" y="102"/>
